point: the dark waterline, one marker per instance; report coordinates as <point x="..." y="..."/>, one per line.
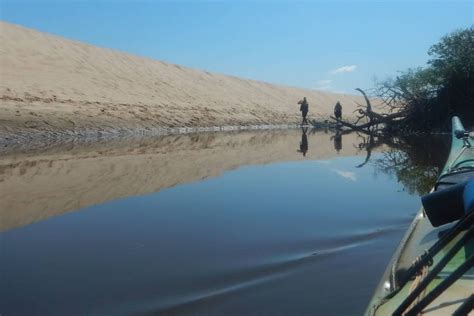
<point x="275" y="233"/>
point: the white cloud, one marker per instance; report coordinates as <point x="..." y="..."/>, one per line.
<point x="342" y="69"/>
<point x="346" y="174"/>
<point x="323" y="84"/>
<point x="323" y="88"/>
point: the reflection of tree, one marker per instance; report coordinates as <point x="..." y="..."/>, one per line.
<point x="368" y="143"/>
<point x="415" y="161"/>
<point x="417" y="179"/>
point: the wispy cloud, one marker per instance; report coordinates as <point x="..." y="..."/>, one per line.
<point x="323" y="84"/>
<point x="346" y="174"/>
<point x="323" y="88"/>
<point x="343" y="69"/>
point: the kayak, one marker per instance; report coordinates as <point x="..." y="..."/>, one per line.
<point x="432" y="270"/>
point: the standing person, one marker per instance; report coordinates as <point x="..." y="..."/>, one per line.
<point x="304" y="110"/>
<point x="338" y="110"/>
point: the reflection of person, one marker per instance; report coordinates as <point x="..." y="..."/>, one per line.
<point x="338" y="110"/>
<point x="304" y="141"/>
<point x="304" y="108"/>
<point x="338" y="141"/>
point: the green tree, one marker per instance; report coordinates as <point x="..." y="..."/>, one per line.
<point x="454" y="55"/>
<point x="431" y="95"/>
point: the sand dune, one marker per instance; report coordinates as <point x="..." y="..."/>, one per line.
<point x="53" y="86"/>
<point x="67" y="178"/>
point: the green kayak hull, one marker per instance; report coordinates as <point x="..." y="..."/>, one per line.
<point x="420" y="236"/>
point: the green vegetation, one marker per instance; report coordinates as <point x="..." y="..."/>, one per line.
<point x="430" y="96"/>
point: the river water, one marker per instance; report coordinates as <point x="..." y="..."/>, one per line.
<point x="248" y="223"/>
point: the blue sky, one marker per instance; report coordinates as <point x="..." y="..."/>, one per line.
<point x="333" y="45"/>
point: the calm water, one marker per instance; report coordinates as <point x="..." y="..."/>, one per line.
<point x="210" y="224"/>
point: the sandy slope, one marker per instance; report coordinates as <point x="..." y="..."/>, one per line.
<point x="67" y="178"/>
<point x="51" y="84"/>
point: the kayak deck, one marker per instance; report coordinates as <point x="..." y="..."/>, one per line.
<point x="421" y="236"/>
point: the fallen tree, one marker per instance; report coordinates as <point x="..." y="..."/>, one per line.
<point x="423" y="99"/>
<point x="376" y="123"/>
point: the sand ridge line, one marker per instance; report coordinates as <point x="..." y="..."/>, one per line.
<point x="60" y="86"/>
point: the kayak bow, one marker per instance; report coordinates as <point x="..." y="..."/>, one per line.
<point x="432" y="270"/>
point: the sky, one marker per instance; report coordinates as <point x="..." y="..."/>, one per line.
<point x="327" y="45"/>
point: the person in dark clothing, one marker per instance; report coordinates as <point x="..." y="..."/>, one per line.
<point x="338" y="110"/>
<point x="338" y="141"/>
<point x="337" y="138"/>
<point x="304" y="108"/>
<point x="304" y="142"/>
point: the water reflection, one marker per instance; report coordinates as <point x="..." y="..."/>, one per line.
<point x="368" y="144"/>
<point x="415" y="161"/>
<point x="169" y="226"/>
<point x="35" y="185"/>
<point x="337" y="138"/>
<point x="304" y="141"/>
<point x="43" y="183"/>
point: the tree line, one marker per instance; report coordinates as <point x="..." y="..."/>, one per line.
<point x="429" y="96"/>
<point x="424" y="99"/>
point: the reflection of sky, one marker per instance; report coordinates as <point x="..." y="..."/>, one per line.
<point x="346" y="174"/>
<point x="323" y="162"/>
<point x="246" y="225"/>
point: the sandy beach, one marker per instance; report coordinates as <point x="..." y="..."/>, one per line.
<point x="52" y="87"/>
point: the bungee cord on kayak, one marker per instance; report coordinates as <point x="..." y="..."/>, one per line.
<point x="434" y="273"/>
<point x="413" y="289"/>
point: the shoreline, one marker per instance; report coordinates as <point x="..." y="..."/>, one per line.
<point x="32" y="140"/>
<point x="53" y="89"/>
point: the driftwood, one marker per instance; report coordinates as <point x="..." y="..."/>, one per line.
<point x="374" y="127"/>
<point x="376" y="122"/>
<point x="361" y="127"/>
